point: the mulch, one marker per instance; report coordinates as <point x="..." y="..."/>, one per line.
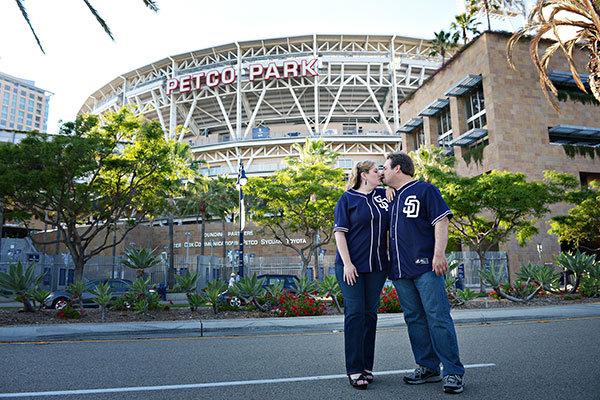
<point x="92" y="315"/>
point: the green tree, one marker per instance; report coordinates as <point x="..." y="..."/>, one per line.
<point x="441" y="44"/>
<point x="580" y="228"/>
<point x="463" y="25"/>
<point x="583" y="16"/>
<point x="297" y="200"/>
<point x="151" y="4"/>
<point x="90" y="176"/>
<point x="227" y="200"/>
<point x="427" y="157"/>
<point x="312" y="152"/>
<point x="490" y="208"/>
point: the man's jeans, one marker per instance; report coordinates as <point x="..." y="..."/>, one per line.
<point x="430" y="328"/>
<point x="361" y="302"/>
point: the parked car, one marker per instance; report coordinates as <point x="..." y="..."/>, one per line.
<point x="59" y="299"/>
<point x="289" y="281"/>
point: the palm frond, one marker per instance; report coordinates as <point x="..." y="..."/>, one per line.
<point x="151" y="4"/>
<point x="26" y="16"/>
<point x="99" y="19"/>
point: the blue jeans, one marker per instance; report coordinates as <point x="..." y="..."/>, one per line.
<point x="361" y="302"/>
<point x="430" y="327"/>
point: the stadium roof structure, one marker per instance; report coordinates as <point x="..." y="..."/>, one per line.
<point x="245" y="99"/>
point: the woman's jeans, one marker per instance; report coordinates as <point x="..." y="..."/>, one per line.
<point x="361" y="302"/>
<point x="430" y="328"/>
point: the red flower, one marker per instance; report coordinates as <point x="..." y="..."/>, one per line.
<point x="167" y="308"/>
<point x="75" y="297"/>
<point x="171" y="302"/>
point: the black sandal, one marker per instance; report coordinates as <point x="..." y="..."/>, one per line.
<point x="368" y="376"/>
<point x="360" y="386"/>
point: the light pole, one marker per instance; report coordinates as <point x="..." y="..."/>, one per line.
<point x="187" y="249"/>
<point x="241" y="181"/>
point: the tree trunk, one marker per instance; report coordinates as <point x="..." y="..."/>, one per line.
<point x="481" y="268"/>
<point x="487" y="13"/>
<point x="224" y="236"/>
<point x="203" y="234"/>
<point x="594" y="67"/>
<point x="1" y="223"/>
<point x="27" y="307"/>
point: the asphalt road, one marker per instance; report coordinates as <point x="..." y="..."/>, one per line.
<point x="527" y="360"/>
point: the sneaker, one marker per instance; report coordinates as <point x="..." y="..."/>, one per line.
<point x="422" y="375"/>
<point x="453" y="384"/>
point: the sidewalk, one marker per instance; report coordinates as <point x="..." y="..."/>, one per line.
<point x="264" y="326"/>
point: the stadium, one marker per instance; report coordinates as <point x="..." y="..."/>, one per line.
<point x="251" y="101"/>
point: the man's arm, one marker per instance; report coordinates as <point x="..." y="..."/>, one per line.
<point x="439" y="263"/>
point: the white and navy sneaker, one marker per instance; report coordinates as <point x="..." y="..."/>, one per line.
<point x="422" y="375"/>
<point x="453" y="384"/>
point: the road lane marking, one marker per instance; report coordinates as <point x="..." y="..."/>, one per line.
<point x="205" y="385"/>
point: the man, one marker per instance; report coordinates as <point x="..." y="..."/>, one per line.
<point x="418" y="234"/>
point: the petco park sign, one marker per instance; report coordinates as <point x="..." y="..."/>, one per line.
<point x="228" y="75"/>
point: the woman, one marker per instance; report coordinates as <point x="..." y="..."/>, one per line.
<point x="361" y="264"/>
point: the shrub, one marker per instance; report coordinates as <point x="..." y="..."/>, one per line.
<point x="290" y="304"/>
<point x="389" y="302"/>
<point x="70" y="312"/>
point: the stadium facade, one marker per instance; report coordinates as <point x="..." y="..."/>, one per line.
<point x="251" y="101"/>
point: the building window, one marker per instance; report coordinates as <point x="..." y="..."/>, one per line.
<point x="444" y="128"/>
<point x="475" y="105"/>
<point x="345" y="163"/>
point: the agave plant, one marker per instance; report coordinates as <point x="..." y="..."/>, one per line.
<point x="76" y="290"/>
<point x="304" y="286"/>
<point x="577" y="263"/>
<point x="250" y="289"/>
<point x="188" y="283"/>
<point x="40" y="296"/>
<point x="545" y="276"/>
<point x="102" y="294"/>
<point x="551" y="17"/>
<point x="213" y="292"/>
<point x="331" y="288"/>
<point x="19" y="283"/>
<point x="140" y="260"/>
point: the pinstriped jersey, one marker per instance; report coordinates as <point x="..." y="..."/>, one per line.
<point x="415" y="210"/>
<point x="364" y="219"/>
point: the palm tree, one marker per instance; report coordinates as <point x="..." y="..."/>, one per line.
<point x="151" y="4"/>
<point x="312" y="152"/>
<point x="140" y="260"/>
<point x="464" y="24"/>
<point x="546" y="18"/>
<point x="496" y="7"/>
<point x="441" y="44"/>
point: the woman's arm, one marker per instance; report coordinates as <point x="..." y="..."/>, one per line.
<point x="350" y="273"/>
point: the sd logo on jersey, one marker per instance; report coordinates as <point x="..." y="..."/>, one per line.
<point x="411" y="207"/>
<point x="381" y="202"/>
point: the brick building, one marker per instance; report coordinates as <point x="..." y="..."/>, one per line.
<point x="478" y="103"/>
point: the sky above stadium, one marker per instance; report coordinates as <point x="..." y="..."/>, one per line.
<point x="80" y="58"/>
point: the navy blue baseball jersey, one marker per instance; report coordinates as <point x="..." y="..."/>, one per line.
<point x="415" y="210"/>
<point x="364" y="218"/>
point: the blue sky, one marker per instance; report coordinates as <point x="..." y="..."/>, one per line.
<point x="80" y="57"/>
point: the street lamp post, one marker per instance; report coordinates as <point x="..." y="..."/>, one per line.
<point x="241" y="181"/>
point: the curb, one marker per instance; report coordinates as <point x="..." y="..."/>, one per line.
<point x="266" y="326"/>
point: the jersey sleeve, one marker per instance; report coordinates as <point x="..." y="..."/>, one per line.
<point x="437" y="208"/>
<point x="340" y="215"/>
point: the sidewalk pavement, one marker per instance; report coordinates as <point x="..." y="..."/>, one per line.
<point x="264" y="326"/>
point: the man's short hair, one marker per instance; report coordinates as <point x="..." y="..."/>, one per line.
<point x="404" y="161"/>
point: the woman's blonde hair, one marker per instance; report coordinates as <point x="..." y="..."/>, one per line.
<point x="355" y="180"/>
